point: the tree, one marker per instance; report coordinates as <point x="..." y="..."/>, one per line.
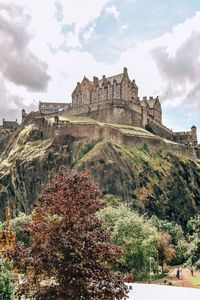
<point x="68" y="246"/>
<point x="193" y="251"/>
<point x="177" y="235"/>
<point x="165" y="248"/>
<point x="6" y="285"/>
<point x="138" y="237"/>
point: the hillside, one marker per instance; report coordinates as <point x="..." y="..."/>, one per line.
<point x="156" y="182"/>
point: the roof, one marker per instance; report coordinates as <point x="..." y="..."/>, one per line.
<point x="111" y="79"/>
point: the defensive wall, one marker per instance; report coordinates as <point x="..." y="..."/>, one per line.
<point x="114" y="111"/>
<point x="159" y="129"/>
<point x="79" y="130"/>
<point x="198" y="152"/>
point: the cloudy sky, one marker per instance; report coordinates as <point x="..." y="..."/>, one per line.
<point x="47" y="46"/>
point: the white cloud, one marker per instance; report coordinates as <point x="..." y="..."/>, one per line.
<point x="112" y="11"/>
<point x="153" y="63"/>
<point x="12" y="104"/>
<point x="177" y="56"/>
<point x="82" y="14"/>
<point x="88" y="34"/>
<point x="123" y="27"/>
<point x="129" y="1"/>
<point x="17" y="62"/>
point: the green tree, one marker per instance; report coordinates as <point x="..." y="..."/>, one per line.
<point x="193" y="251"/>
<point x="6" y="285"/>
<point x="138" y="237"/>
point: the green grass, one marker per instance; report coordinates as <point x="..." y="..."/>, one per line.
<point x="84" y="151"/>
<point x="132" y="130"/>
<point x="195" y="281"/>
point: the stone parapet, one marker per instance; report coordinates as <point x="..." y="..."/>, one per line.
<point x="116" y="135"/>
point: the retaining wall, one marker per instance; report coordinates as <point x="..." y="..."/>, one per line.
<point x="112" y="134"/>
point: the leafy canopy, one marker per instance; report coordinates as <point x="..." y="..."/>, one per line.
<point x="68" y="248"/>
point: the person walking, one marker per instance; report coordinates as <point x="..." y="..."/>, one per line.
<point x="178" y="273"/>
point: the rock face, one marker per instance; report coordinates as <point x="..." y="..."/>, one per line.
<point x="151" y="182"/>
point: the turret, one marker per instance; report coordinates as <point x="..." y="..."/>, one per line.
<point x="125" y="70"/>
<point x="24" y="114"/>
<point x="194" y="135"/>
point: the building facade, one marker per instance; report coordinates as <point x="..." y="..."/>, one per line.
<point x="119" y="93"/>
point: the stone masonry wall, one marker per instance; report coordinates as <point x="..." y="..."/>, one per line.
<point x="160" y="130"/>
<point x="78" y="130"/>
<point x="115" y="135"/>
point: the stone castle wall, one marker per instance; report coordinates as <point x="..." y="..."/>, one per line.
<point x="198" y="152"/>
<point x="159" y="129"/>
<point x="1" y="146"/>
<point x="115" y="135"/>
<point x="80" y="130"/>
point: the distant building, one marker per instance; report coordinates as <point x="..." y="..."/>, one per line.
<point x="10" y="124"/>
<point x="7" y="127"/>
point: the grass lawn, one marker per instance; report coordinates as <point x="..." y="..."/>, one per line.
<point x="195" y="281"/>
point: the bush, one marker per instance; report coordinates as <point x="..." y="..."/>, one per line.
<point x="6" y="285"/>
<point x="18" y="225"/>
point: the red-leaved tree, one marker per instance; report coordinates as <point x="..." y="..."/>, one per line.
<point x="70" y="255"/>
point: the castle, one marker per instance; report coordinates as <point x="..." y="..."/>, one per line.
<point x="110" y="100"/>
<point x="115" y="100"/>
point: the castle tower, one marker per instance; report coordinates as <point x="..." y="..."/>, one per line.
<point x="24" y="114"/>
<point x="194" y="135"/>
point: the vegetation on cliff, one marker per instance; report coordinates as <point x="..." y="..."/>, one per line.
<point x="153" y="182"/>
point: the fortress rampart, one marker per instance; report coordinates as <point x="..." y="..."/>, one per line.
<point x="81" y="130"/>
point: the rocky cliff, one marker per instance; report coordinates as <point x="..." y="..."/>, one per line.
<point x="153" y="182"/>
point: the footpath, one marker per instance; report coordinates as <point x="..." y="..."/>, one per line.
<point x="186" y="279"/>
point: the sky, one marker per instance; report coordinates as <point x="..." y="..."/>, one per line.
<point x="47" y="46"/>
